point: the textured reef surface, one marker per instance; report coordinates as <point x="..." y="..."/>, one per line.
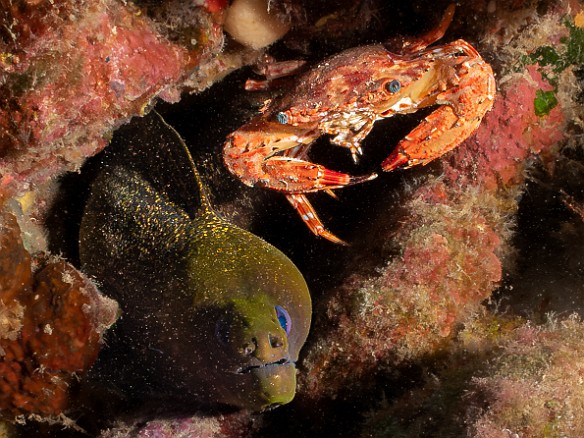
<point x="455" y="310"/>
<point x="52" y="319"/>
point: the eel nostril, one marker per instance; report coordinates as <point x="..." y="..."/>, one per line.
<point x="250" y="347"/>
<point x="276" y="341"/>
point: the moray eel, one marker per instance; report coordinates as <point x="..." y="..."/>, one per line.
<point x="210" y="310"/>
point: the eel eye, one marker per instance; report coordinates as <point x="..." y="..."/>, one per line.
<point x="282" y="118"/>
<point x="393" y="86"/>
<point x="284" y="319"/>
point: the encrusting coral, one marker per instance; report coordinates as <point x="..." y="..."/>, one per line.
<point x="534" y="385"/>
<point x="447" y="267"/>
<point x="503" y="377"/>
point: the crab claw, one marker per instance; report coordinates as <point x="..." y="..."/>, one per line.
<point x="461" y="111"/>
<point x="299" y="176"/>
<point x="396" y="159"/>
<point x="438" y="133"/>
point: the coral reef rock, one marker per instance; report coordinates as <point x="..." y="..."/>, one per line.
<point x="71" y="72"/>
<point x="533" y="387"/>
<point x="51" y="324"/>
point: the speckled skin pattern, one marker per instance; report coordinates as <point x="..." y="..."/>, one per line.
<point x="200" y="296"/>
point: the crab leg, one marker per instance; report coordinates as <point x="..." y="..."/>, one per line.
<point x="419" y="43"/>
<point x="272" y="70"/>
<point x="308" y="214"/>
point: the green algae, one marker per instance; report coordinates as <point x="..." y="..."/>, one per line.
<point x="544" y="102"/>
<point x="552" y="61"/>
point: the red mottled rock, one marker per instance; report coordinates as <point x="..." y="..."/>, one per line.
<point x="51" y="323"/>
<point x="72" y="71"/>
<point x="447" y="267"/>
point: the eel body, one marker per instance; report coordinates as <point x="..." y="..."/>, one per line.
<point x="210" y="310"/>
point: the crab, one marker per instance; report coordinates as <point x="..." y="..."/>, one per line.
<point x="343" y="96"/>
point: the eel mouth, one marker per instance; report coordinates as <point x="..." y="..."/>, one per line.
<point x="250" y="368"/>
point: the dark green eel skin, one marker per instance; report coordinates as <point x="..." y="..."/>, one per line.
<point x="210" y="311"/>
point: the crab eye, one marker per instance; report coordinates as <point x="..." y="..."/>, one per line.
<point x="393" y="86"/>
<point x="284" y="319"/>
<point x="282" y="118"/>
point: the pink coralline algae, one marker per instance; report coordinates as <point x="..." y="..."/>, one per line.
<point x="448" y="265"/>
<point x="234" y="425"/>
<point x="509" y="135"/>
<point x="533" y="388"/>
<point x="71" y="71"/>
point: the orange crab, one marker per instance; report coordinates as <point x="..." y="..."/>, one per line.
<point x="343" y="96"/>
